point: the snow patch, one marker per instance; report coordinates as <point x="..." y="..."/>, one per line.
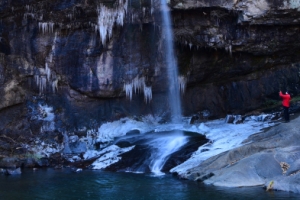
<point x="108" y="131"/>
<point x="110" y="155"/>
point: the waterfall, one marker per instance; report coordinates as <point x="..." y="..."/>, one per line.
<point x="163" y="147"/>
<point x="170" y="59"/>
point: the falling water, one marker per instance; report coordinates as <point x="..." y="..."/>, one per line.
<point x="163" y="147"/>
<point x="170" y="144"/>
<point x="174" y="92"/>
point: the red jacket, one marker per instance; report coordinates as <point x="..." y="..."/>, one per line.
<point x="285" y="99"/>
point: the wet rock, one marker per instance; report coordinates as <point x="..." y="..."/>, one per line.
<point x="9" y="162"/>
<point x="234" y="119"/>
<point x="133" y="132"/>
<point x="12" y="171"/>
<point x="194" y="119"/>
<point x="78" y="147"/>
<point x="43" y="162"/>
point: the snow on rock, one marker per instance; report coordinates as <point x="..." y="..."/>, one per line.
<point x="110" y="156"/>
<point x="108" y="131"/>
<point x="222" y="137"/>
<point x="42" y="149"/>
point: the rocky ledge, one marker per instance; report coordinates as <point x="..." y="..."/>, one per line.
<point x="269" y="159"/>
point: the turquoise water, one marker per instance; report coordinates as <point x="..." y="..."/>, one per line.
<point x="88" y="184"/>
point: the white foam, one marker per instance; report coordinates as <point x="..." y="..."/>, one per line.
<point x="166" y="146"/>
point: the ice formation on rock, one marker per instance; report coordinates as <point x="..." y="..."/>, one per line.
<point x="128" y="90"/>
<point x="46" y="27"/>
<point x="108" y="17"/>
<point x="182" y="83"/>
<point x="147" y="94"/>
<point x="138" y="85"/>
<point x="45" y="77"/>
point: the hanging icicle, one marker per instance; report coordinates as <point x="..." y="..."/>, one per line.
<point x="46" y="27"/>
<point x="107" y="17"/>
<point x="138" y="84"/>
<point x="128" y="90"/>
<point x="182" y="83"/>
<point x="147" y="94"/>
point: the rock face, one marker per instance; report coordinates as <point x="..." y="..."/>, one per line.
<point x="68" y="66"/>
<point x="269" y="156"/>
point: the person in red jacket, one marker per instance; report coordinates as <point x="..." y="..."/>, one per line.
<point x="286" y="105"/>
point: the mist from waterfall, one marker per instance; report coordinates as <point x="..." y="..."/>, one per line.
<point x="174" y="90"/>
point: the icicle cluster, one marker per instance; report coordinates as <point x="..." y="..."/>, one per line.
<point x="29" y="13"/>
<point x="45" y="77"/>
<point x="182" y="83"/>
<point x="41" y="82"/>
<point x="136" y="85"/>
<point x="46" y="27"/>
<point x="128" y="90"/>
<point x="147" y="94"/>
<point x="107" y="17"/>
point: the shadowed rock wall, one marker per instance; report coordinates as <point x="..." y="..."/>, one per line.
<point x="233" y="57"/>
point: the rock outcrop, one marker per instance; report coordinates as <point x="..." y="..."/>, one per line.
<point x="271" y="156"/>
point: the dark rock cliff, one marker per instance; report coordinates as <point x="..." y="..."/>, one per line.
<point x="81" y="60"/>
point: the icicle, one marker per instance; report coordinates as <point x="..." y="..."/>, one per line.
<point x="48" y="72"/>
<point x="182" y="83"/>
<point x="144" y="11"/>
<point x="147" y="94"/>
<point x="108" y="17"/>
<point x="90" y="79"/>
<point x="54" y="85"/>
<point x="138" y="83"/>
<point x="152" y="7"/>
<point x="128" y="89"/>
<point x="230" y="50"/>
<point x="190" y="44"/>
<point x="46" y="27"/>
<point x="43" y="84"/>
<point x="37" y="79"/>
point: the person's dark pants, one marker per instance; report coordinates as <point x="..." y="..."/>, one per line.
<point x="286" y="113"/>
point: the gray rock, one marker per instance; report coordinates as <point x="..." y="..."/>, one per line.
<point x="273" y="155"/>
